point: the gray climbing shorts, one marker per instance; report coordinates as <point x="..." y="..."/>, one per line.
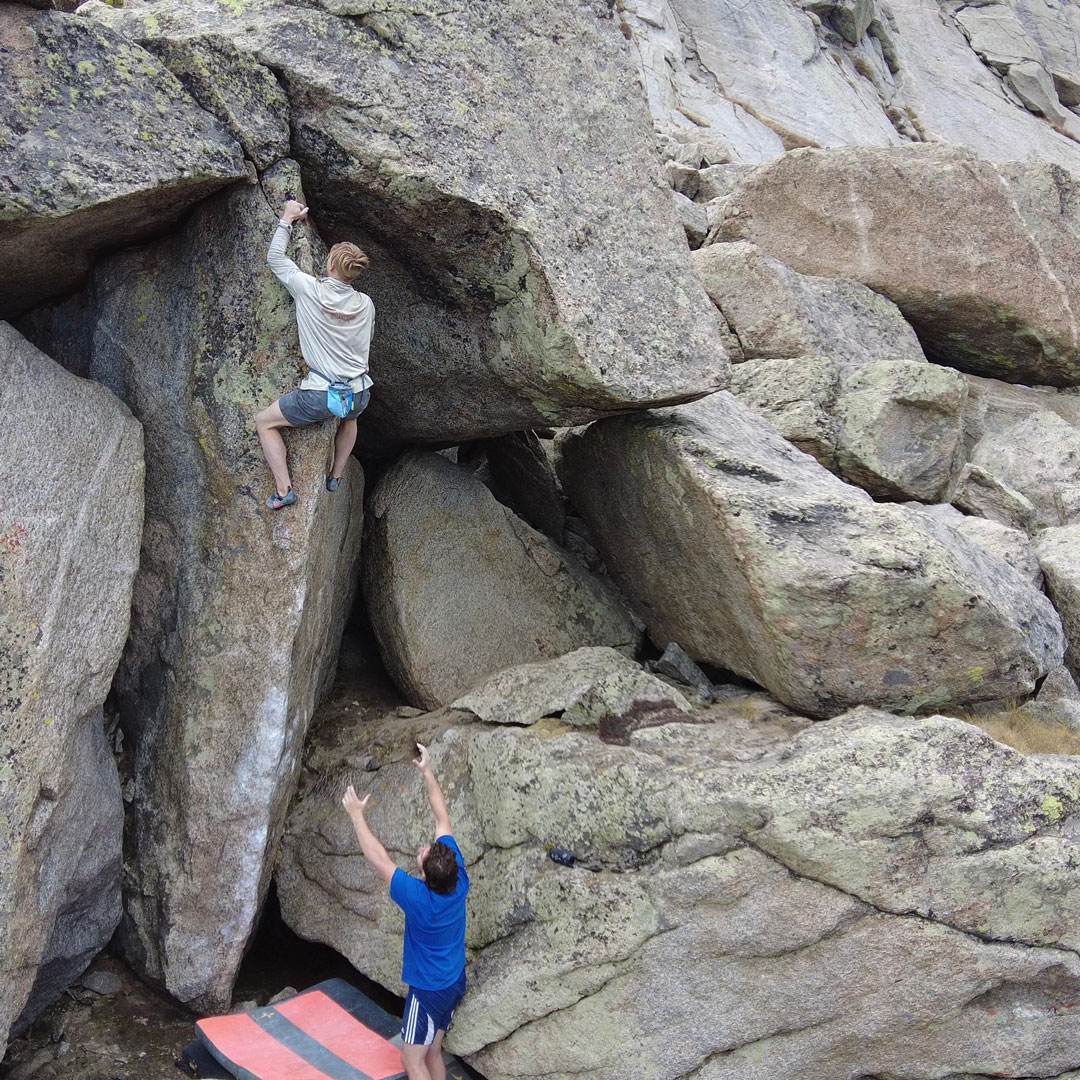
<point x="304" y="407"/>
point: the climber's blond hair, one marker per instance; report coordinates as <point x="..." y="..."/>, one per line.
<point x="347" y="261"/>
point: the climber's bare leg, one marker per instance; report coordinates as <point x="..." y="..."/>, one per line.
<point x="343" y="446"/>
<point x="268" y="424"/>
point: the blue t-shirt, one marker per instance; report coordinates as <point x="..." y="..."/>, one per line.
<point x="433" y="956"/>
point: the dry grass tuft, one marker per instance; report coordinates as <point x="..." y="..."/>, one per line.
<point x="1027" y="732"/>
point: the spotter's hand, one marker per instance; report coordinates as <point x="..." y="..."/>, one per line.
<point x="354" y="805"/>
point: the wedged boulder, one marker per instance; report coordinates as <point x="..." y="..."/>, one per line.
<point x="755" y="558"/>
<point x="1058" y="701"/>
<point x="585" y="688"/>
<point x="694" y="219"/>
<point x="900" y="429"/>
<point x="70" y="523"/>
<point x="238" y="611"/>
<point x="980" y="257"/>
<point x="1040" y="457"/>
<point x="101" y="147"/>
<point x="891" y="427"/>
<point x="1059" y="685"/>
<point x="572" y="967"/>
<point x="1058" y="551"/>
<point x="528" y="264"/>
<point x="1004" y="44"/>
<point x="458" y="587"/>
<point x="1055" y="28"/>
<point x="776" y="312"/>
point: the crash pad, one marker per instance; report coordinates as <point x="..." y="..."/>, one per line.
<point x="319" y="1034"/>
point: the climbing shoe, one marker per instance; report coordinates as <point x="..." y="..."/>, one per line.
<point x="276" y="501"/>
<point x="333" y="483"/>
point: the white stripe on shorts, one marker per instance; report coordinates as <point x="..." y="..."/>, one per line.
<point x="411" y="1025"/>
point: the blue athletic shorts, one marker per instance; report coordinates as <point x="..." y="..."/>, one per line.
<point x="430" y="1011"/>
<point x="304" y="407"/>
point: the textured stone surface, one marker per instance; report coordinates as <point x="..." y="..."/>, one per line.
<point x="755" y="558"/>
<point x="99" y="146"/>
<point x="753" y="79"/>
<point x="70" y="523"/>
<point x="233" y="86"/>
<point x="459" y="587"/>
<point x="1011" y="545"/>
<point x="916" y="223"/>
<point x="893" y="428"/>
<point x="528" y="264"/>
<point x="992" y="406"/>
<point x="237" y="611"/>
<point x="814" y="817"/>
<point x="797" y="397"/>
<point x="765" y="867"/>
<point x="1058" y="551"/>
<point x="1040" y="457"/>
<point x="776" y="312"/>
<point x="979" y="491"/>
<point x="583" y="688"/>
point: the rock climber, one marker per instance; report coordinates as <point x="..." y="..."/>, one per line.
<point x="433" y="955"/>
<point x="335" y="322"/>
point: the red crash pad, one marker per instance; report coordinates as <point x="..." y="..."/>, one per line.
<point x="309" y="1037"/>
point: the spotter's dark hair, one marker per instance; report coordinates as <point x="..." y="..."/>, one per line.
<point x="441" y="869"/>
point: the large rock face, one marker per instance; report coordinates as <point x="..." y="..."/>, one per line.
<point x="755" y="558"/>
<point x="238" y="611"/>
<point x="766" y="868"/>
<point x="100" y="146"/>
<point x="458" y="586"/>
<point x="742" y="82"/>
<point x="916" y="224"/>
<point x="70" y="523"/>
<point x="528" y="267"/>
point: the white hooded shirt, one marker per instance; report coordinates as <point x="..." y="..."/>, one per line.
<point x="334" y="320"/>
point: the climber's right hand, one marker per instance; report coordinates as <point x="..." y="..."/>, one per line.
<point x="294" y="211"/>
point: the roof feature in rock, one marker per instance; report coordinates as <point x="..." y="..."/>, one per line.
<point x="498" y="163"/>
<point x="99" y="146"/>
